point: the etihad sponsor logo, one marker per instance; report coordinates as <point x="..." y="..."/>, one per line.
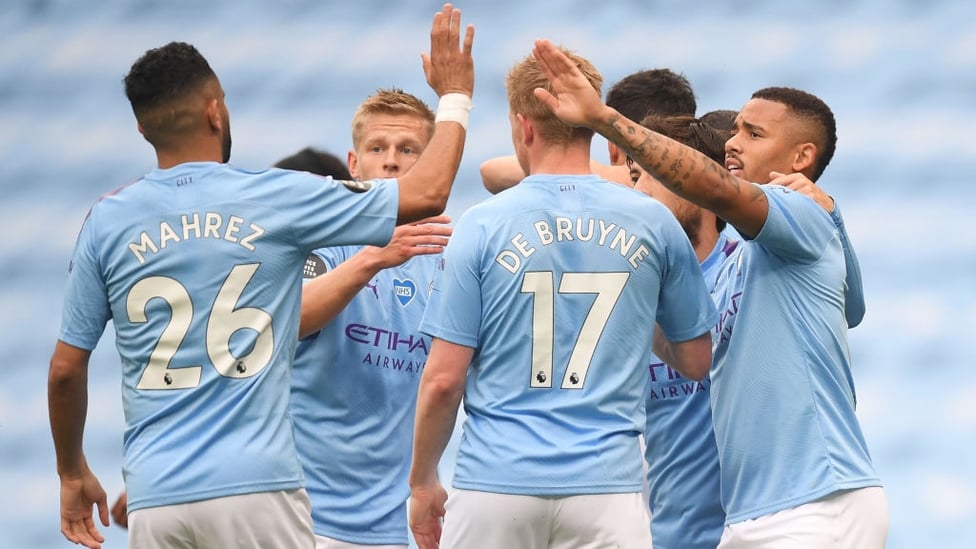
<point x="667" y="383"/>
<point x="726" y="319"/>
<point x="390" y="340"/>
<point x="394" y="363"/>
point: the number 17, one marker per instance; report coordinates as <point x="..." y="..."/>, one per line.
<point x="606" y="286"/>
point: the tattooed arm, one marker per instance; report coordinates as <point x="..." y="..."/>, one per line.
<point x="685" y="171"/>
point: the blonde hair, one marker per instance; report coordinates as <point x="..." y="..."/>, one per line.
<point x="390" y="101"/>
<point x="526" y="76"/>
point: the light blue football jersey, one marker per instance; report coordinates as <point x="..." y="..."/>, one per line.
<point x="198" y="267"/>
<point x="557" y="283"/>
<point x="782" y="391"/>
<point x="354" y="394"/>
<point x="682" y="458"/>
<point x="854" y="306"/>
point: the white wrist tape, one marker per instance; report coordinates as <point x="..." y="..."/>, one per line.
<point x="454" y="107"/>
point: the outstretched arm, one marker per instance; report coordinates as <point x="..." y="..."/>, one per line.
<point x="424" y="189"/>
<point x="67" y="393"/>
<point x="685" y="171"/>
<point x="325" y="296"/>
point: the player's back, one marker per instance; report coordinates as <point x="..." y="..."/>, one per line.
<point x="571" y="272"/>
<point x="201" y="266"/>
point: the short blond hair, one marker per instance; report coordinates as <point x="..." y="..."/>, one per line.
<point x="390" y="101"/>
<point x="526" y="76"/>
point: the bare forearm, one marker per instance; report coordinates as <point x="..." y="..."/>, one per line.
<point x="501" y="173"/>
<point x="424" y="189"/>
<point x="688" y="173"/>
<point x="437" y="408"/>
<point x="324" y="297"/>
<point x="67" y="407"/>
<point x="691" y="358"/>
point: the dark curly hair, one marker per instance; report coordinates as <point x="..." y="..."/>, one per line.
<point x="316" y="161"/>
<point x="813" y="110"/>
<point x="653" y="91"/>
<point x="165" y="74"/>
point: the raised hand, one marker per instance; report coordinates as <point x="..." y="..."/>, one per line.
<point x="573" y="98"/>
<point x="449" y="69"/>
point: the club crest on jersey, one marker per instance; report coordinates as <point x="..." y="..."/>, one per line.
<point x="404" y="290"/>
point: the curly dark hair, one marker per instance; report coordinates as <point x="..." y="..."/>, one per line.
<point x="653" y="91"/>
<point x="812" y="109"/>
<point x="165" y="74"/>
<point x="316" y="161"/>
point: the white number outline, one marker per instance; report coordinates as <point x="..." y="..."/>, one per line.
<point x="606" y="286"/>
<point x="223" y="322"/>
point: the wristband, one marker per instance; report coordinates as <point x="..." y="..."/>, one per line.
<point x="454" y="107"/>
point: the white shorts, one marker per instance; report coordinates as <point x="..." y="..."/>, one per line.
<point x="851" y="519"/>
<point x="258" y="521"/>
<point x="488" y="520"/>
<point x="322" y="542"/>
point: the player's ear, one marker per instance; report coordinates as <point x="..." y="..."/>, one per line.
<point x="527" y="129"/>
<point x="804" y="158"/>
<point x="215" y="118"/>
<point x="352" y="161"/>
<point x="617" y="156"/>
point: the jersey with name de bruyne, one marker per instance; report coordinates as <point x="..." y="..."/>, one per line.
<point x="557" y="284"/>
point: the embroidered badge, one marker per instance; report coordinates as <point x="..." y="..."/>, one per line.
<point x="404" y="290"/>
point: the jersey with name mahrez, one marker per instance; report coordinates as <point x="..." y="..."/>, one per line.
<point x="783" y="399"/>
<point x="199" y="269"/>
<point x="354" y="394"/>
<point x="557" y="284"/>
<point x="681" y="455"/>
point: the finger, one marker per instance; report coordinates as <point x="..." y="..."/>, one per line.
<point x="103" y="510"/>
<point x="433" y="219"/>
<point x="468" y="40"/>
<point x="454" y="29"/>
<point x="426" y="250"/>
<point x="425" y="61"/>
<point x="548" y="57"/>
<point x="437" y="28"/>
<point x="91" y="531"/>
<point x="547" y="98"/>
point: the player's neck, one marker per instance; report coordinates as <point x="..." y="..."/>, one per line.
<point x="571" y="159"/>
<point x="707" y="237"/>
<point x="209" y="151"/>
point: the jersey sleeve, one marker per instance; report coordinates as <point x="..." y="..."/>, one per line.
<point x="454" y="308"/>
<point x="796" y="227"/>
<point x="854" y="306"/>
<point x="685" y="308"/>
<point x="86" y="308"/>
<point x="329" y="212"/>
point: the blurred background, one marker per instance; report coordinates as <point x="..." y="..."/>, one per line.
<point x="900" y="76"/>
